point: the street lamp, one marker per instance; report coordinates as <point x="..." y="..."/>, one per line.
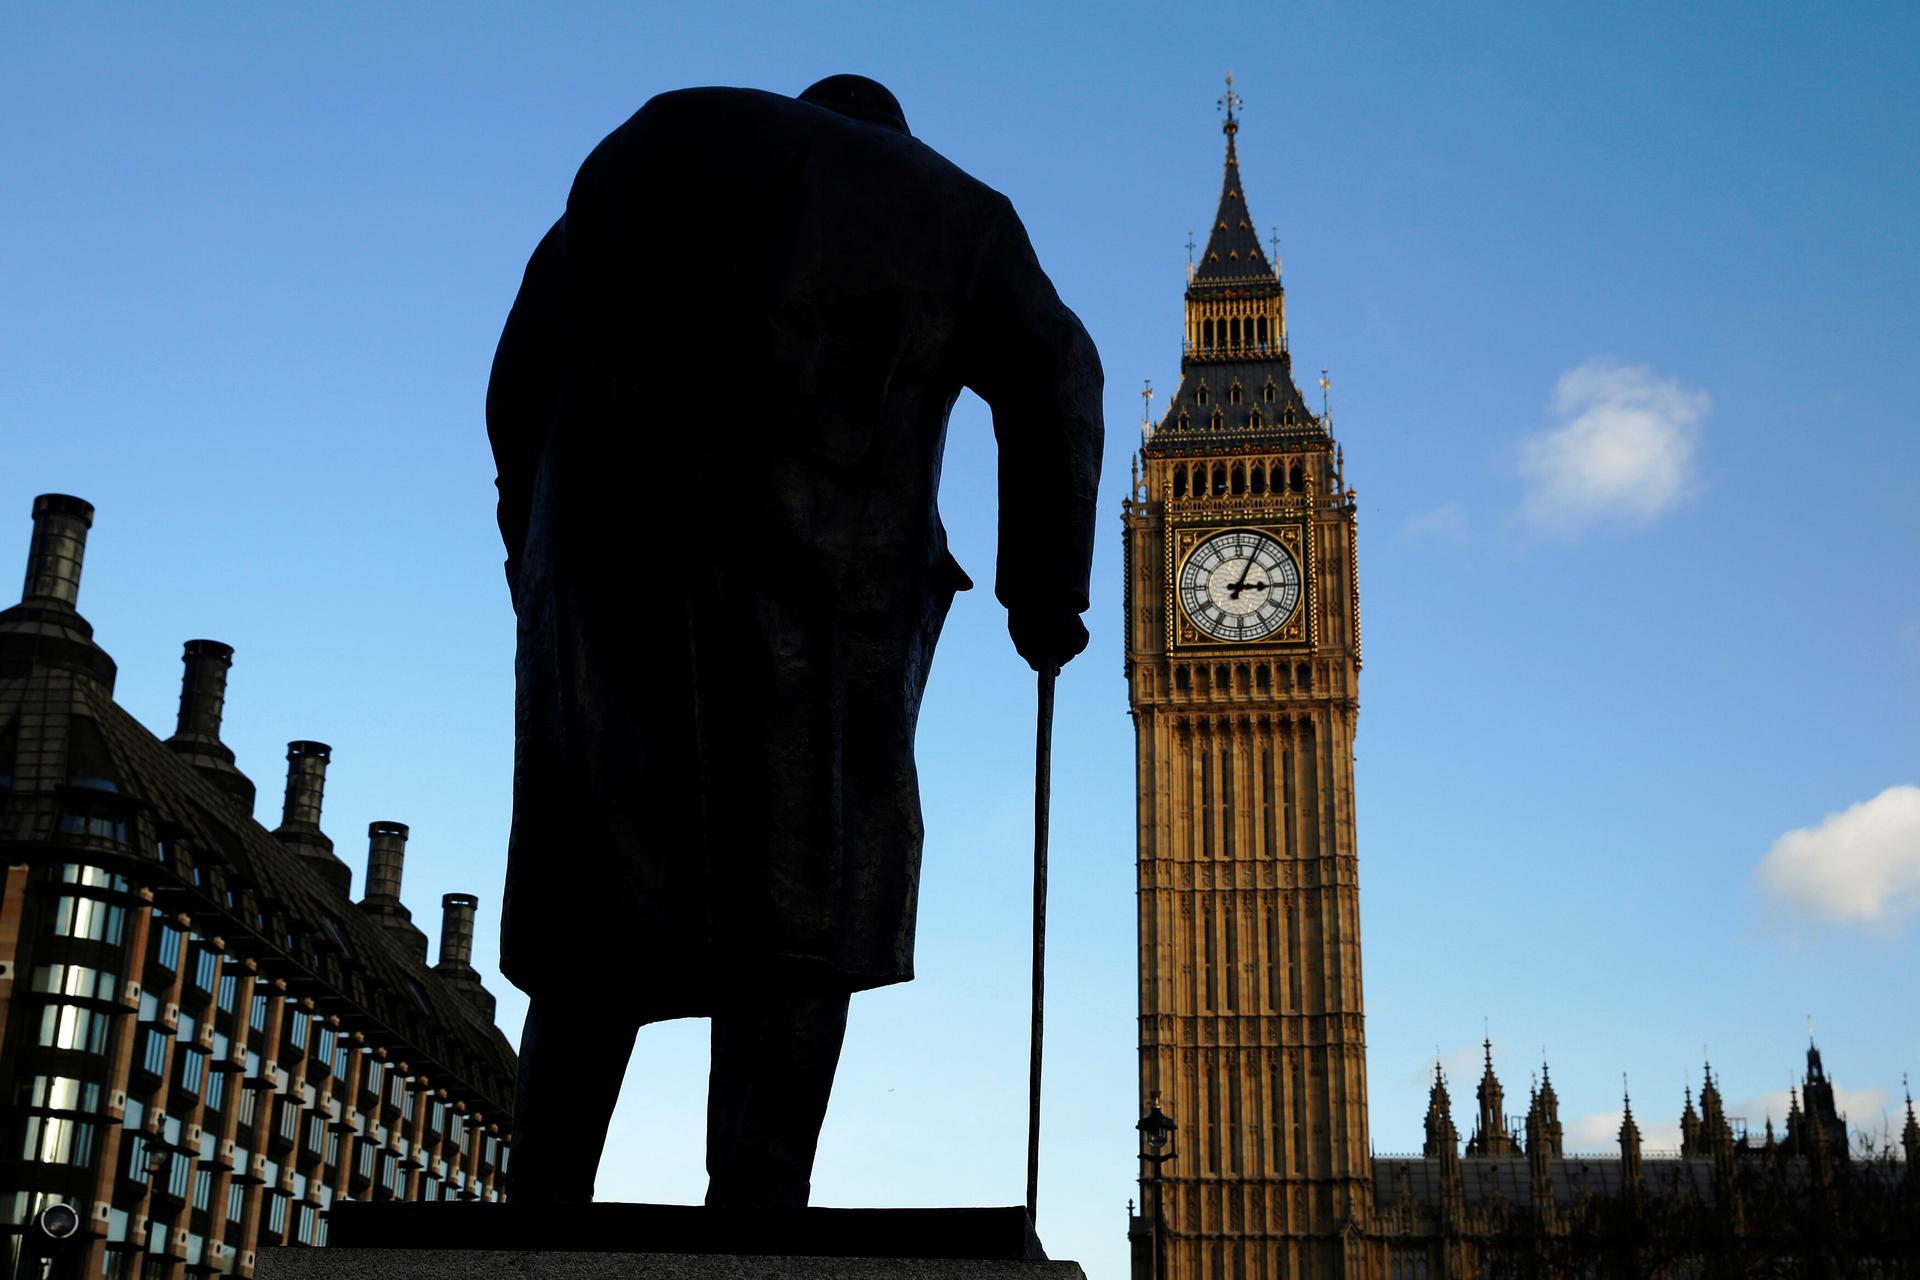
<point x="1156" y="1137"/>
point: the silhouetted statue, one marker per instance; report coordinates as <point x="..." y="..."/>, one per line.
<point x="718" y="411"/>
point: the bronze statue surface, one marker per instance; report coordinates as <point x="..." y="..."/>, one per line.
<point x="718" y="411"/>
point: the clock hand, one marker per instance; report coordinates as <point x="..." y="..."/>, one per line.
<point x="1245" y="569"/>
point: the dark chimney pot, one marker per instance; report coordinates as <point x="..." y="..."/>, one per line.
<point x="60" y="524"/>
<point x="456" y="951"/>
<point x="203" y="699"/>
<point x="386" y="857"/>
<point x="299" y="827"/>
<point x="306" y="786"/>
<point x="203" y="690"/>
<point x="44" y="629"/>
<point x="456" y="931"/>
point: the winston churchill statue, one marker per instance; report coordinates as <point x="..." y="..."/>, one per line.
<point x="718" y="410"/>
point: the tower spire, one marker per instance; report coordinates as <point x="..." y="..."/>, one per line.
<point x="1233" y="246"/>
<point x="1230" y="103"/>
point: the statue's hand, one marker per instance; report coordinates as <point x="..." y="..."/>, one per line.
<point x="1046" y="637"/>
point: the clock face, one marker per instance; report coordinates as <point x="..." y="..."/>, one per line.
<point x="1240" y="585"/>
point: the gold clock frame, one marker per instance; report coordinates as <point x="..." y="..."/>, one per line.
<point x="1184" y="635"/>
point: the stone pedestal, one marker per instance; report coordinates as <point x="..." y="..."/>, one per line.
<point x="476" y="1264"/>
<point x="464" y="1241"/>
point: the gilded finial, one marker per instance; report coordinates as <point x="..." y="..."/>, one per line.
<point x="1273" y="238"/>
<point x="1231" y="102"/>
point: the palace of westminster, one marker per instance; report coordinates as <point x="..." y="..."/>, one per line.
<point x="205" y="1040"/>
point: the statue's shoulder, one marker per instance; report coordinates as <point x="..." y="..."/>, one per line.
<point x="711" y="112"/>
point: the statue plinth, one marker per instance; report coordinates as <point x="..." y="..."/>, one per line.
<point x="459" y="1240"/>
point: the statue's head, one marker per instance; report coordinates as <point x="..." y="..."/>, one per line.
<point x="861" y="98"/>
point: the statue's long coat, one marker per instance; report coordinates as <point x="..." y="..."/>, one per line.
<point x="718" y="410"/>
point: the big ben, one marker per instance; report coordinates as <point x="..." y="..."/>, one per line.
<point x="1243" y="660"/>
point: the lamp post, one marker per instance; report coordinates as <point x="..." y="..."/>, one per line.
<point x="1156" y="1141"/>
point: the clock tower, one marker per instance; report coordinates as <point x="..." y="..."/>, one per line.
<point x="1243" y="661"/>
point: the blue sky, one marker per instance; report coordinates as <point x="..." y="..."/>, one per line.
<point x="1619" y="307"/>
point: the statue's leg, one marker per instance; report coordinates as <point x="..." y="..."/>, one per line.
<point x="773" y="1064"/>
<point x="573" y="1056"/>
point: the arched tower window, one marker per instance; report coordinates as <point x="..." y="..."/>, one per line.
<point x="1219" y="478"/>
<point x="1257" y="478"/>
<point x="1239" y="479"/>
<point x="1297" y="477"/>
<point x="1200" y="392"/>
<point x="1266" y="392"/>
<point x="1233" y="394"/>
<point x="1180" y="481"/>
<point x="1206" y="334"/>
<point x="1218" y="420"/>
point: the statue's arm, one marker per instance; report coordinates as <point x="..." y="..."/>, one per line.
<point x="1036" y="367"/>
<point x="521" y="393"/>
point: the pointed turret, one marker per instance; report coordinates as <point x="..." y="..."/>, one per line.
<point x="1910" y="1136"/>
<point x="1631" y="1175"/>
<point x="1441" y="1135"/>
<point x="1715" y="1132"/>
<point x="1443" y="1144"/>
<point x="1690" y="1141"/>
<point x="1796" y="1141"/>
<point x="1539" y="1148"/>
<point x="1490" y="1135"/>
<point x="1548" y="1105"/>
<point x="1823" y="1120"/>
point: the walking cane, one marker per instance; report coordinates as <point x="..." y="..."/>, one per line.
<point x="1042" y="795"/>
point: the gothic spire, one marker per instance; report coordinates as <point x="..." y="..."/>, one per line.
<point x="1441" y="1135"/>
<point x="1233" y="246"/>
<point x="1629" y="1140"/>
<point x="1490" y="1135"/>
<point x="1690" y="1144"/>
<point x="1910" y="1134"/>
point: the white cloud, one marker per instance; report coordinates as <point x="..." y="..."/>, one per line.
<point x="1859" y="866"/>
<point x="1624" y="449"/>
<point x="1862" y="1108"/>
<point x="1599" y="1133"/>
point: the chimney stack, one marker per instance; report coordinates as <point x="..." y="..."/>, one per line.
<point x="44" y="629"/>
<point x="299" y="827"/>
<point x="306" y="787"/>
<point x="203" y="690"/>
<point x="456" y="931"/>
<point x="386" y="857"/>
<point x="456" y="951"/>
<point x="203" y="696"/>
<point x="60" y="524"/>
